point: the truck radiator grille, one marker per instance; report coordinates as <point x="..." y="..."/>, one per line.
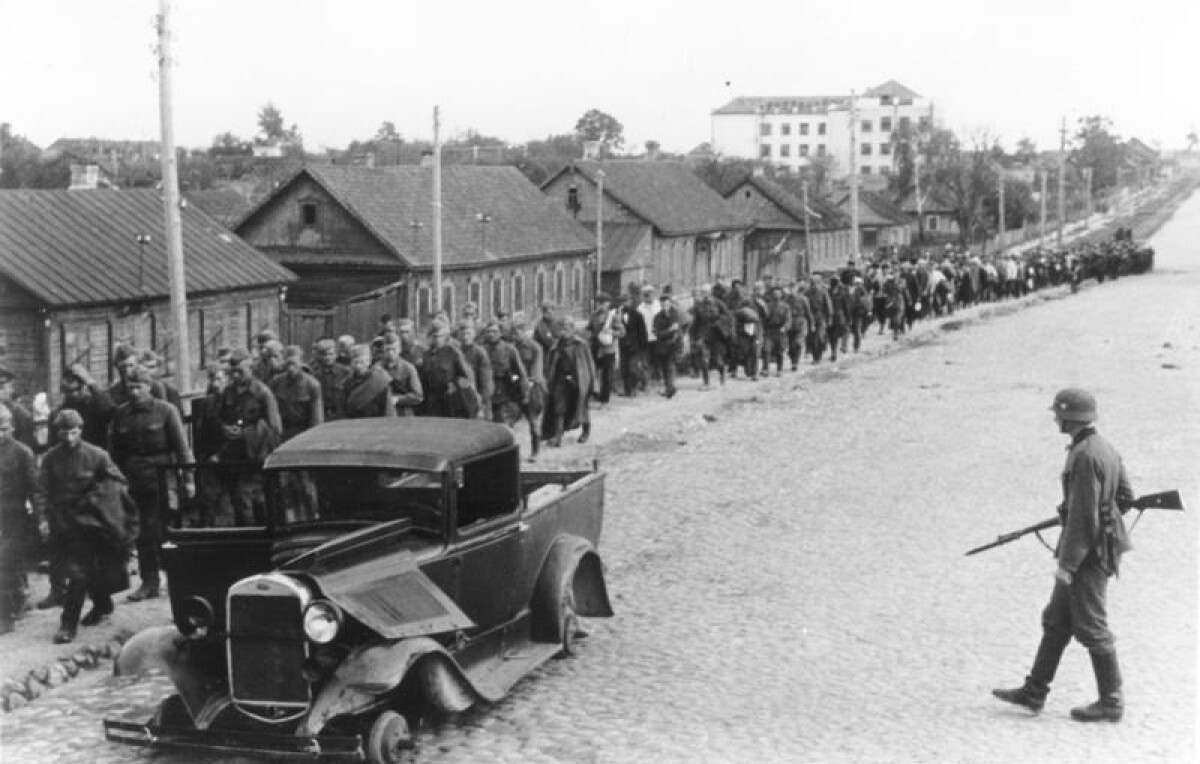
<point x="266" y="649"/>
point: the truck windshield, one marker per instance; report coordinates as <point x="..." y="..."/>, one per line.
<point x="368" y="495"/>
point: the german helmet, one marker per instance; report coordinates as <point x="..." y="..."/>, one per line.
<point x="1074" y="405"/>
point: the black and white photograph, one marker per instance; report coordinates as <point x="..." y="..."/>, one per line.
<point x="543" y="383"/>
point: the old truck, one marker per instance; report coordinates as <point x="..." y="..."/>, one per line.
<point x="389" y="570"/>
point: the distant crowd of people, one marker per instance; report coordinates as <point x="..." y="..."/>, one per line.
<point x="96" y="494"/>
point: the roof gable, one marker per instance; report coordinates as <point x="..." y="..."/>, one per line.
<point x="489" y="213"/>
<point x="667" y="195"/>
<point x="821" y="216"/>
<point x="80" y="247"/>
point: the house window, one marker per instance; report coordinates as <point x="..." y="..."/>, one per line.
<point x="885" y="100"/>
<point x="764" y="151"/>
<point x="931" y="223"/>
<point x="820" y="149"/>
<point x="906" y="102"/>
<point x="905" y="123"/>
<point x="820" y="128"/>
<point x="475" y="295"/>
<point x="560" y="286"/>
<point x="518" y="299"/>
<point x="866" y="125"/>
<point x="785" y="128"/>
<point x="803" y="149"/>
<point x="885" y="170"/>
<point x="308" y="214"/>
<point x="804" y="128"/>
<point x="448" y="299"/>
<point x="539" y="289"/>
<point x="885" y="148"/>
<point x="885" y="124"/>
<point x="573" y="205"/>
<point x="785" y="150"/>
<point x="577" y="284"/>
<point x="497" y="296"/>
<point x="865" y="149"/>
<point x="764" y="128"/>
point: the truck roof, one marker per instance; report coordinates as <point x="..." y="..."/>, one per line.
<point x="430" y="444"/>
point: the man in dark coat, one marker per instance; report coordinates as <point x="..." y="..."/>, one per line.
<point x="366" y="391"/>
<point x="801" y="315"/>
<point x="251" y="429"/>
<point x="1096" y="492"/>
<point x="447" y="378"/>
<point x="297" y="393"/>
<point x="668" y="342"/>
<point x="331" y="376"/>
<point x="480" y="364"/>
<point x="822" y="311"/>
<point x="776" y="324"/>
<point x="20" y="507"/>
<point x="407" y="392"/>
<point x="635" y="345"/>
<point x="91" y="401"/>
<point x="145" y="434"/>
<point x="839" y="317"/>
<point x="24" y="427"/>
<point x="85" y="494"/>
<point x="709" y="333"/>
<point x="510" y="383"/>
<point x="530" y="353"/>
<point x="604" y="329"/>
<point x="571" y="380"/>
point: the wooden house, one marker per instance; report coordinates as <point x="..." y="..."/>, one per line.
<point x="364" y="235"/>
<point x="83" y="271"/>
<point x="664" y="223"/>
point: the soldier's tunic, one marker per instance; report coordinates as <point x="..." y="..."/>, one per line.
<point x="443" y="367"/>
<point x="300" y="403"/>
<point x="20" y="505"/>
<point x="509" y="382"/>
<point x="143" y="436"/>
<point x="368" y="394"/>
<point x="407" y="392"/>
<point x="481" y="367"/>
<point x="1093" y="539"/>
<point x="250" y="407"/>
<point x="332" y="379"/>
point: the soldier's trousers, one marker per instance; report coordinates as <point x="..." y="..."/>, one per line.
<point x="1080" y="610"/>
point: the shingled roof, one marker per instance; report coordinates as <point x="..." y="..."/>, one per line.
<point x="822" y="216"/>
<point x="667" y="195"/>
<point x="523" y="222"/>
<point x="80" y="248"/>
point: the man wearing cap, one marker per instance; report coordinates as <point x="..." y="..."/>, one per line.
<point x="604" y="327"/>
<point x="1096" y="492"/>
<point x="648" y="307"/>
<point x="404" y="382"/>
<point x="776" y="324"/>
<point x="250" y="429"/>
<point x="448" y="380"/>
<point x="801" y="314"/>
<point x="367" y="391"/>
<point x="543" y="330"/>
<point x="411" y="349"/>
<point x="153" y="363"/>
<point x="84" y="490"/>
<point x="20" y="508"/>
<point x="297" y="393"/>
<point x="125" y="360"/>
<point x="510" y="383"/>
<point x="530" y="353"/>
<point x="91" y="401"/>
<point x="668" y="342"/>
<point x="822" y="309"/>
<point x="571" y="379"/>
<point x="709" y="331"/>
<point x="331" y="376"/>
<point x="481" y="367"/>
<point x="146" y="433"/>
<point x="635" y="345"/>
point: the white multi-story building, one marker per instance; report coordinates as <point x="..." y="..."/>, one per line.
<point x="792" y="131"/>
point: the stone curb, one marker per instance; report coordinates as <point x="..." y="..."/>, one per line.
<point x="19" y="692"/>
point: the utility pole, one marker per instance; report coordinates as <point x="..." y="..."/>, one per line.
<point x="1087" y="176"/>
<point x="1000" y="223"/>
<point x="807" y="228"/>
<point x="1062" y="181"/>
<point x="437" y="214"/>
<point x="1042" y="213"/>
<point x="172" y="222"/>
<point x="855" y="241"/>
<point x="599" y="229"/>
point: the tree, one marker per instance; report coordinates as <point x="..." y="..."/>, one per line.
<point x="1192" y="140"/>
<point x="722" y="174"/>
<point x="595" y="125"/>
<point x="542" y="158"/>
<point x="1097" y="148"/>
<point x="270" y="123"/>
<point x="387" y="132"/>
<point x="1026" y="152"/>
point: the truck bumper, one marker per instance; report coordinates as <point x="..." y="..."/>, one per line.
<point x="148" y="735"/>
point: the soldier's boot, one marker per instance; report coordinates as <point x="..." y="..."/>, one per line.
<point x="148" y="590"/>
<point x="534" y="443"/>
<point x="69" y="624"/>
<point x="102" y="608"/>
<point x="587" y="432"/>
<point x="1111" y="705"/>
<point x="1032" y="694"/>
<point x="9" y="611"/>
<point x="53" y="599"/>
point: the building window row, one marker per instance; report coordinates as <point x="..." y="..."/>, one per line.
<point x="785" y="150"/>
<point x="785" y="128"/>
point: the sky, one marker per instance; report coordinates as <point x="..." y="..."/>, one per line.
<point x="525" y="69"/>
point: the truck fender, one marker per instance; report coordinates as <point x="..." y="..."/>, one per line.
<point x="368" y="675"/>
<point x="572" y="564"/>
<point x="163" y="648"/>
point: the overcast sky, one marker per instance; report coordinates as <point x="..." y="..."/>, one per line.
<point x="523" y="69"/>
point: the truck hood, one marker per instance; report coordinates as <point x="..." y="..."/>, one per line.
<point x="387" y="592"/>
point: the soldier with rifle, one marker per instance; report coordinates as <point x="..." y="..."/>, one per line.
<point x="1096" y="492"/>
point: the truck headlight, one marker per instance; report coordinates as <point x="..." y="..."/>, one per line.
<point x="322" y="621"/>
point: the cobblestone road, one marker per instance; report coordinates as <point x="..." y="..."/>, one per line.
<point x="789" y="577"/>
